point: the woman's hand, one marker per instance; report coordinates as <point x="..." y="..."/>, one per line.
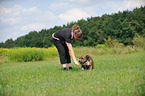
<point x="76" y="62"/>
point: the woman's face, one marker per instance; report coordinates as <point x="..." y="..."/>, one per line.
<point x="76" y="37"/>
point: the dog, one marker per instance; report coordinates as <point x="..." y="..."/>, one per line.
<point x="86" y="62"/>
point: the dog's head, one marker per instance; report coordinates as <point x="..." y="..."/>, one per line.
<point x="83" y="59"/>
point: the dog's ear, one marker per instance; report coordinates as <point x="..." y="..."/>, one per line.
<point x="87" y="56"/>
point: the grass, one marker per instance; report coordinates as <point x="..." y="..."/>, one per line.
<point x="114" y="75"/>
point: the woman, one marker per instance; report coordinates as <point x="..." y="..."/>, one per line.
<point x="62" y="40"/>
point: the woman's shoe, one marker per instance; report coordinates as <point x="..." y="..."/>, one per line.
<point x="65" y="69"/>
<point x="70" y="68"/>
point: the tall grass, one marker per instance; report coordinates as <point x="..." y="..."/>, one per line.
<point x="36" y="54"/>
<point x="3" y="57"/>
<point x="30" y="54"/>
<point x="107" y="50"/>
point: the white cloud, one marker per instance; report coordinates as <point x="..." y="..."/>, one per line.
<point x="73" y="15"/>
<point x="10" y="11"/>
<point x="10" y="32"/>
<point x="30" y="11"/>
<point x="11" y="20"/>
<point x="130" y="4"/>
<point x="17" y="14"/>
<point x="33" y="26"/>
<point x="48" y="16"/>
<point x="58" y="6"/>
<point x="77" y="1"/>
<point x="10" y="15"/>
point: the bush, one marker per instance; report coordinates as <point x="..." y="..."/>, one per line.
<point x="139" y="41"/>
<point x="112" y="43"/>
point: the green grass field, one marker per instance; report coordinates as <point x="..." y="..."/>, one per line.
<point x="114" y="75"/>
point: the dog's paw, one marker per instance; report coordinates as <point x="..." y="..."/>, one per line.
<point x="83" y="69"/>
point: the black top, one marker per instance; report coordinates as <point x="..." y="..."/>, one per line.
<point x="65" y="35"/>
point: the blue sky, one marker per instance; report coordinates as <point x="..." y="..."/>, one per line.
<point x="19" y="17"/>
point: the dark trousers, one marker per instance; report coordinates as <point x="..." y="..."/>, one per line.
<point x="63" y="51"/>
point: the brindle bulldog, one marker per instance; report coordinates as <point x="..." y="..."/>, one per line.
<point x="86" y="62"/>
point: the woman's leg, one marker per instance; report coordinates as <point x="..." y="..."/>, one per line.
<point x="68" y="56"/>
<point x="62" y="52"/>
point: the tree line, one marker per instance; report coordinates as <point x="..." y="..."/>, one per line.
<point x="121" y="26"/>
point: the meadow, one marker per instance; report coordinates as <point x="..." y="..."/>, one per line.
<point x="118" y="72"/>
<point x="28" y="54"/>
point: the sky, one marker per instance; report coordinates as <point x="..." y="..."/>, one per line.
<point x="19" y="17"/>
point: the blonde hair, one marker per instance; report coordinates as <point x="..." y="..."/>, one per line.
<point x="77" y="31"/>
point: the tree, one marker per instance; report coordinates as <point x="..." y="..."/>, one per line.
<point x="9" y="43"/>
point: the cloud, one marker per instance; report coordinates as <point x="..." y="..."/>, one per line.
<point x="11" y="20"/>
<point x="77" y="1"/>
<point x="17" y="14"/>
<point x="10" y="15"/>
<point x="73" y="15"/>
<point x="33" y="26"/>
<point x="10" y="32"/>
<point x="47" y="16"/>
<point x="30" y="11"/>
<point x="10" y="11"/>
<point x="130" y="4"/>
<point x="133" y="3"/>
<point x="58" y="6"/>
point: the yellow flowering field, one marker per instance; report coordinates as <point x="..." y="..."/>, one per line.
<point x="28" y="54"/>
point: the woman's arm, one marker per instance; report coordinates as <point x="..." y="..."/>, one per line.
<point x="72" y="53"/>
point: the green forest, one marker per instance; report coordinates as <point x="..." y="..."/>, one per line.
<point x="121" y="26"/>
